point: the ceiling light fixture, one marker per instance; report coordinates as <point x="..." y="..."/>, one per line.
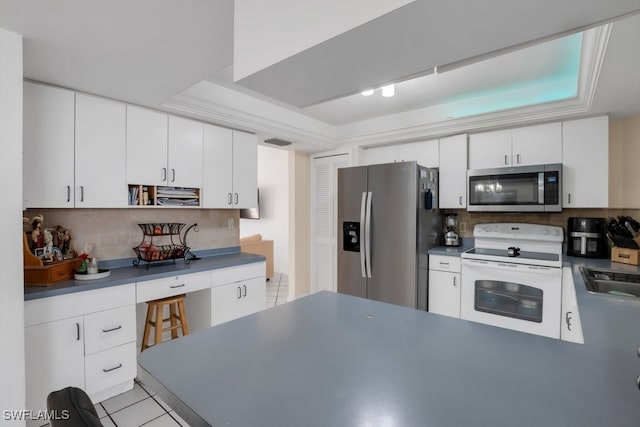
<point x="367" y="92"/>
<point x="388" y="90"/>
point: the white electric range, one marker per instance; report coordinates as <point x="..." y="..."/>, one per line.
<point x="512" y="278"/>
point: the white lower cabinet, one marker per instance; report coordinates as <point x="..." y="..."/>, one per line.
<point x="444" y="285"/>
<point x="54" y="359"/>
<point x="83" y="339"/>
<point x="237" y="292"/>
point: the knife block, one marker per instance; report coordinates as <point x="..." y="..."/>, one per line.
<point x="625" y="255"/>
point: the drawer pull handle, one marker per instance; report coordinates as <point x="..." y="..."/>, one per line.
<point x="244" y="287"/>
<point x="444" y="263"/>
<point x="112" y="329"/>
<point x="176" y="286"/>
<point x="77" y="331"/>
<point x="112" y="369"/>
<point x="239" y="292"/>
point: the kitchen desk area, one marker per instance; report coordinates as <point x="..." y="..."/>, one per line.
<point x="86" y="333"/>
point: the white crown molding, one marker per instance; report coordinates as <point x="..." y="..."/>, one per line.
<point x="230" y="108"/>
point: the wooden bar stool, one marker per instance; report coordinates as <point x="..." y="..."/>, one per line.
<point x="177" y="318"/>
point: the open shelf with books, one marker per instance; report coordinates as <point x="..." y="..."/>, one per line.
<point x="163" y="196"/>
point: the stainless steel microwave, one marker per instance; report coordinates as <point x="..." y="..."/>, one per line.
<point x="516" y="189"/>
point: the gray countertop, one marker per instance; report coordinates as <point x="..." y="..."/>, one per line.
<point x="212" y="259"/>
<point x="332" y="359"/>
<point x="465" y="244"/>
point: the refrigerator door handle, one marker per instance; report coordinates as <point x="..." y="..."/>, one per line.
<point x="368" y="235"/>
<point x="363" y="205"/>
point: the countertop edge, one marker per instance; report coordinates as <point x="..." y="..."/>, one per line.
<point x="124" y="275"/>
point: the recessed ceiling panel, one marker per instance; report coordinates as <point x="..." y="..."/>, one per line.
<point x="414" y="39"/>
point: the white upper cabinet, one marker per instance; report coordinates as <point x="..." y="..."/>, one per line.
<point x="585" y="161"/>
<point x="245" y="170"/>
<point x="230" y="175"/>
<point x="74" y="149"/>
<point x="217" y="189"/>
<point x="147" y="136"/>
<point x="453" y="172"/>
<point x="163" y="149"/>
<point x="185" y="152"/>
<point x="490" y="149"/>
<point x="100" y="150"/>
<point x="48" y="142"/>
<point x="530" y="145"/>
<point x="423" y="152"/>
<point x="537" y="145"/>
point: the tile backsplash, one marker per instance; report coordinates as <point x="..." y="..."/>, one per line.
<point x="558" y="219"/>
<point x="114" y="232"/>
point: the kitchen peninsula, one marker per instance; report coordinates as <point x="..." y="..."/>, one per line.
<point x="333" y="359"/>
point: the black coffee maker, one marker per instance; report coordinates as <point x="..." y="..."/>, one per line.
<point x="586" y="237"/>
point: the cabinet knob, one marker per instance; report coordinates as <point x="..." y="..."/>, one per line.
<point x="68" y="193"/>
<point x="454" y="281"/>
<point x="460" y="200"/>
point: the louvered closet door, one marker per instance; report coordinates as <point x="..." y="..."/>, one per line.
<point x="325" y="228"/>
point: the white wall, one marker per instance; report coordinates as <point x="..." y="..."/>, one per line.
<point x="12" y="388"/>
<point x="273" y="182"/>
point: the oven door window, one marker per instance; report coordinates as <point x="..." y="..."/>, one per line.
<point x="507" y="189"/>
<point x="509" y="299"/>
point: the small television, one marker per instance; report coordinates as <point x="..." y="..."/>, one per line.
<point x="252" y="213"/>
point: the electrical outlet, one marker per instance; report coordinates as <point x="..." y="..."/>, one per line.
<point x="230" y="224"/>
<point x="463" y="227"/>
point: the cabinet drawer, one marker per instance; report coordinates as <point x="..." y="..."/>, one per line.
<point x="109" y="328"/>
<point x="228" y="275"/>
<point x="166" y="287"/>
<point x="76" y="304"/>
<point x="110" y="367"/>
<point x="444" y="263"/>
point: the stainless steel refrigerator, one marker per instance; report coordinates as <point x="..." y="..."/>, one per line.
<point x="388" y="219"/>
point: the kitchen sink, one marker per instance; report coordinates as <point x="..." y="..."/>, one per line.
<point x="611" y="282"/>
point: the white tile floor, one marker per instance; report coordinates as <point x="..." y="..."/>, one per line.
<point x="142" y="407"/>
